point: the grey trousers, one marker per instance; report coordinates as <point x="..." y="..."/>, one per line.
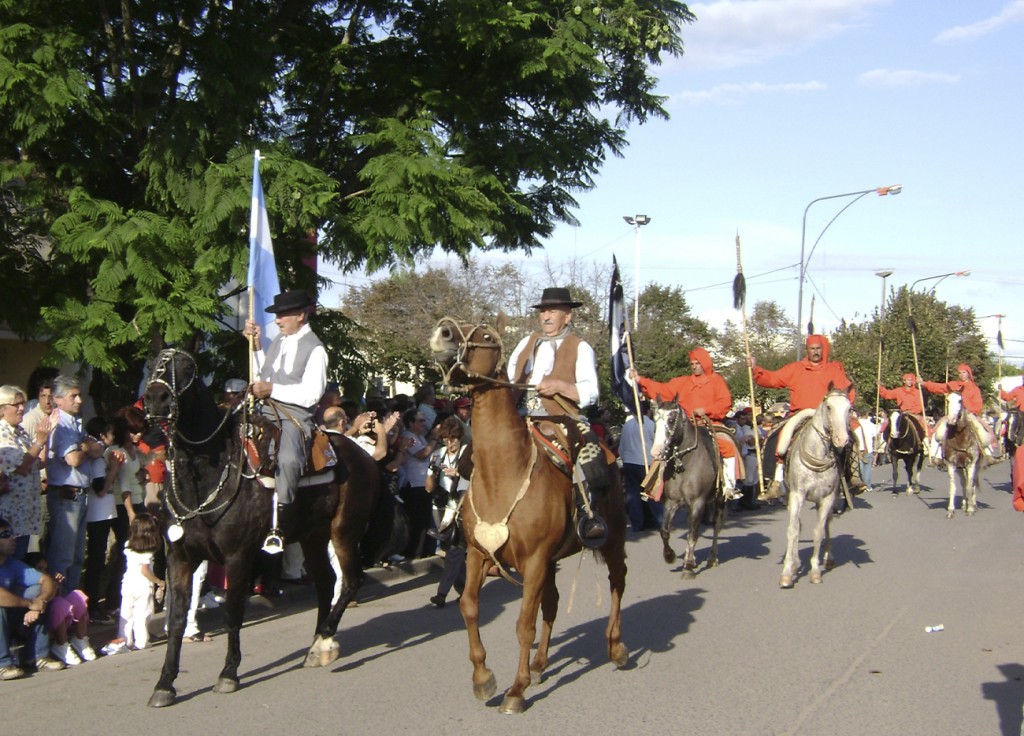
<point x="291" y="455"/>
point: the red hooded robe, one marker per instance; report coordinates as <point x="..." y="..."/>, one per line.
<point x="808" y="382"/>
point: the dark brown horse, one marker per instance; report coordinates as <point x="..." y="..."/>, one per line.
<point x="217" y="510"/>
<point x="518" y="512"/>
<point x="904" y="441"/>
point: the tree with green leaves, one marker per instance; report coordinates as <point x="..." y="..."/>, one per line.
<point x="946" y="335"/>
<point x="390" y="128"/>
<point x="772" y="335"/>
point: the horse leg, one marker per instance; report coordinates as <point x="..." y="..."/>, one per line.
<point x="716" y="530"/>
<point x="671" y="507"/>
<point x="239" y="570"/>
<point x="548" y="610"/>
<point x="179" y="597"/>
<point x="615" y="559"/>
<point x="693" y="532"/>
<point x="792" y="560"/>
<point x="324" y="650"/>
<point x="971" y="486"/>
<point x="535" y="573"/>
<point x="820" y="532"/>
<point x="484" y="684"/>
<point x="951" y="507"/>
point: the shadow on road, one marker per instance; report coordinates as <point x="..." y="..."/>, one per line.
<point x="1008" y="698"/>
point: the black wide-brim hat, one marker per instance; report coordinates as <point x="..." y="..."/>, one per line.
<point x="556" y="296"/>
<point x="290" y="301"/>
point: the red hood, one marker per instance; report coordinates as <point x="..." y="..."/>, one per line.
<point x="701" y="356"/>
<point x="826" y="348"/>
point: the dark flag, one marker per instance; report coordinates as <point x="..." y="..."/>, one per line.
<point x="618" y="327"/>
<point x="999" y="339"/>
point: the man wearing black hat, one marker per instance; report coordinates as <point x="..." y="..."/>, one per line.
<point x="292" y="372"/>
<point x="562" y="372"/>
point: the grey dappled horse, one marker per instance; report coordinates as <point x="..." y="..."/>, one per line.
<point x="904" y="441"/>
<point x="813" y="470"/>
<point x="963" y="454"/>
<point x="691" y="477"/>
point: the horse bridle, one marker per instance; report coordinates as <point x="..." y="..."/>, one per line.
<point x="164" y="359"/>
<point x="675" y="413"/>
<point x="464" y="344"/>
<point x="831" y="454"/>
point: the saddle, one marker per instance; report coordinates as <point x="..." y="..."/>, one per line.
<point x="566" y="442"/>
<point x="260" y="437"/>
<point x="789" y="429"/>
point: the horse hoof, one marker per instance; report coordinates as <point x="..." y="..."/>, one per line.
<point x="225" y="685"/>
<point x="949" y="514"/>
<point x="485" y="690"/>
<point x="161" y="698"/>
<point x="815" y="577"/>
<point x="620" y="655"/>
<point x="669" y="556"/>
<point x="970" y="512"/>
<point x="536" y="677"/>
<point x="829" y="564"/>
<point x="512" y="704"/>
<point x="786" y="582"/>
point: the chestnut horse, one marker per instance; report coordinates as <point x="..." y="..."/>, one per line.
<point x="518" y="511"/>
<point x="217" y="510"/>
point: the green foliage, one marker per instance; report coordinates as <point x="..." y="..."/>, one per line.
<point x="389" y="127"/>
<point x="946" y="336"/>
<point x="772" y="336"/>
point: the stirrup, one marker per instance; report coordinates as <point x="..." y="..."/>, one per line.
<point x="273" y="544"/>
<point x="597" y="528"/>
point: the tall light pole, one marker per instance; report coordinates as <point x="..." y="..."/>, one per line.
<point x="881" y="338"/>
<point x="880" y="191"/>
<point x="637" y="221"/>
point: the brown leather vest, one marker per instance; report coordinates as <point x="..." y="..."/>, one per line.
<point x="563" y="370"/>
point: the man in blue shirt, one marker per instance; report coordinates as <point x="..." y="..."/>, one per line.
<point x="67" y="483"/>
<point x="24" y="594"/>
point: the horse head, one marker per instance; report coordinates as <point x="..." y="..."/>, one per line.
<point x="955" y="414"/>
<point x="472" y="352"/>
<point x="895" y="423"/>
<point x="835" y="411"/>
<point x="668" y="418"/>
<point x="174" y="373"/>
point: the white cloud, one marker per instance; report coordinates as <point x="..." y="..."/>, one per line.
<point x="905" y="78"/>
<point x="726" y="94"/>
<point x="1012" y="12"/>
<point x="734" y="33"/>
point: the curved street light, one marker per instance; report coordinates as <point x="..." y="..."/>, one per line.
<point x="880" y="191"/>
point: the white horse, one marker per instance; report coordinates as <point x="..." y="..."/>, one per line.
<point x="813" y="469"/>
<point x="963" y="453"/>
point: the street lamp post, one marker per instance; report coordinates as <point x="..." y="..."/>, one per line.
<point x="881" y="338"/>
<point x="880" y="191"/>
<point x="637" y="221"/>
<point x="913" y="327"/>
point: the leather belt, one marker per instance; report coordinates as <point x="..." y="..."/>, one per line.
<point x="76" y="491"/>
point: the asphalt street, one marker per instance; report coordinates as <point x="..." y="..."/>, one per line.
<point x="727" y="652"/>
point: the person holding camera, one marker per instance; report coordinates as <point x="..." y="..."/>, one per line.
<point x="446" y="487"/>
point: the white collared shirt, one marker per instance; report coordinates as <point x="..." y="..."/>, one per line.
<point x="542" y="362"/>
<point x="314" y="376"/>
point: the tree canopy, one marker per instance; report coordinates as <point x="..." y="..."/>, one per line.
<point x="389" y="127"/>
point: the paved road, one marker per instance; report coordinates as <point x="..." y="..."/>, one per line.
<point x="725" y="653"/>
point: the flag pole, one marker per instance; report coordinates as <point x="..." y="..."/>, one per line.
<point x="636" y="399"/>
<point x="739" y="299"/>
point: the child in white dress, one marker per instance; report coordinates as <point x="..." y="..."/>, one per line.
<point x="140" y="587"/>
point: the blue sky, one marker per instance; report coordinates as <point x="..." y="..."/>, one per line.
<point x="779" y="102"/>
